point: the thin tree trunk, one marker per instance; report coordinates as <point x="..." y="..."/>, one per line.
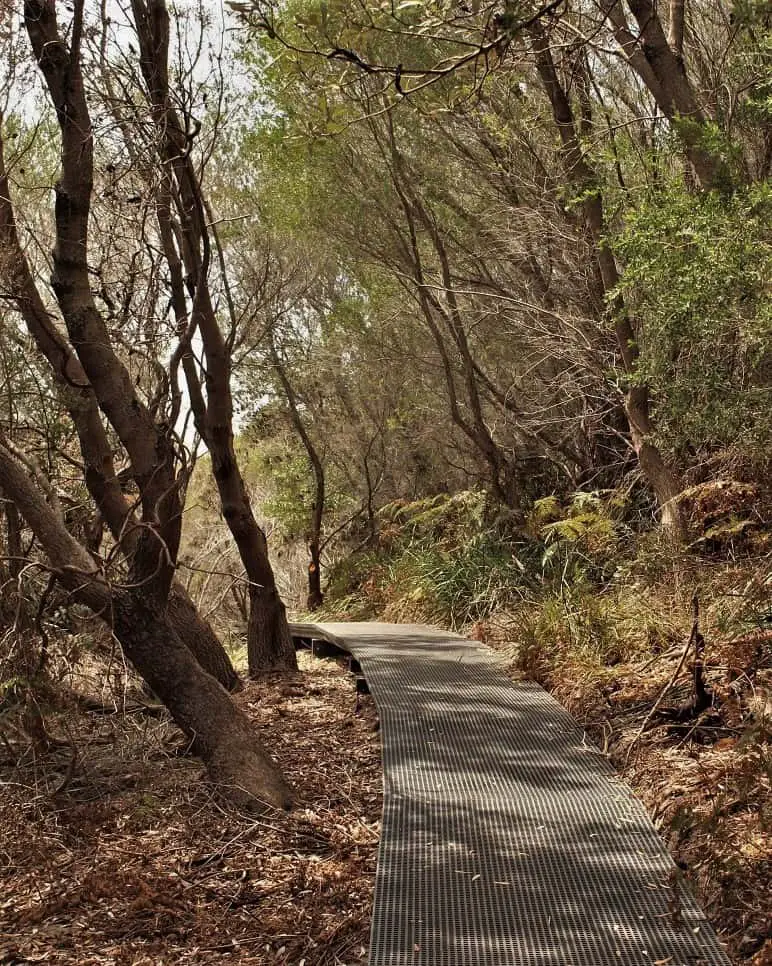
<point x="213" y="415"/>
<point x="581" y="176"/>
<point x="503" y="470"/>
<point x="214" y="421"/>
<point x="372" y="527"/>
<point x="476" y="430"/>
<point x="315" y="597"/>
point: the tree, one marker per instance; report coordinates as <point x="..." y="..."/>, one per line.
<point x="314" y="534"/>
<point x="136" y="606"/>
<point x="186" y="237"/>
<point x="394" y="197"/>
<point x="81" y="403"/>
<point x="585" y="183"/>
<point x="618" y="105"/>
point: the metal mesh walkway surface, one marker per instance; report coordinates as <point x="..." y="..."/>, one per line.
<point x="507" y="837"/>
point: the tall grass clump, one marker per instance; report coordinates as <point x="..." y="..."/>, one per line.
<point x="440" y="560"/>
<point x="456" y="586"/>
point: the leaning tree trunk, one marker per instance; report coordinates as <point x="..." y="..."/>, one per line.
<point x="658" y="60"/>
<point x="446" y="311"/>
<point x="221" y="734"/>
<point x="78" y="397"/>
<point x="666" y="485"/>
<point x="269" y="645"/>
<point x="199" y="636"/>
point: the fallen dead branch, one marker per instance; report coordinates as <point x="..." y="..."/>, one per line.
<point x="694" y="637"/>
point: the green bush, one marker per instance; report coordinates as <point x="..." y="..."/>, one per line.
<point x="697" y="267"/>
<point x="581" y="540"/>
<point x="454" y="587"/>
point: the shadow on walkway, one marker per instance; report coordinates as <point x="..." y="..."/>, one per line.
<point x="507" y="838"/>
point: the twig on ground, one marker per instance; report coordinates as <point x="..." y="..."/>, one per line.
<point x="70" y="770"/>
<point x="695" y="633"/>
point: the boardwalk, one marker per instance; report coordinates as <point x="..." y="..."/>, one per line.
<point x="507" y="838"/>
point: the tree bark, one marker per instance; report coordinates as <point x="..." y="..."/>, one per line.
<point x="372" y="526"/>
<point x="675" y="36"/>
<point x="664" y="482"/>
<point x="221" y="734"/>
<point x="315" y="597"/>
<point x="149" y="446"/>
<point x="198" y="635"/>
<point x="269" y="641"/>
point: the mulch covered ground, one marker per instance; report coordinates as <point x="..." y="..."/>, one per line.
<point x="113" y="849"/>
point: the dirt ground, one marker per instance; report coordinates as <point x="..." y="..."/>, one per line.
<point x="113" y="849"/>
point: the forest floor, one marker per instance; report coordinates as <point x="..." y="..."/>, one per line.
<point x="113" y="849"/>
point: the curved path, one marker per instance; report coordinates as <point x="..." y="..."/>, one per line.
<point x="507" y="837"/>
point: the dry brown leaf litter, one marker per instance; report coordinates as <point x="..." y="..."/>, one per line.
<point x="136" y="863"/>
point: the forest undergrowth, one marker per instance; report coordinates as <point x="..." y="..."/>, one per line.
<point x="606" y="617"/>
<point x="112" y="851"/>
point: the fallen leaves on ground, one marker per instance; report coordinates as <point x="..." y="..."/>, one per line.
<point x="137" y="863"/>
